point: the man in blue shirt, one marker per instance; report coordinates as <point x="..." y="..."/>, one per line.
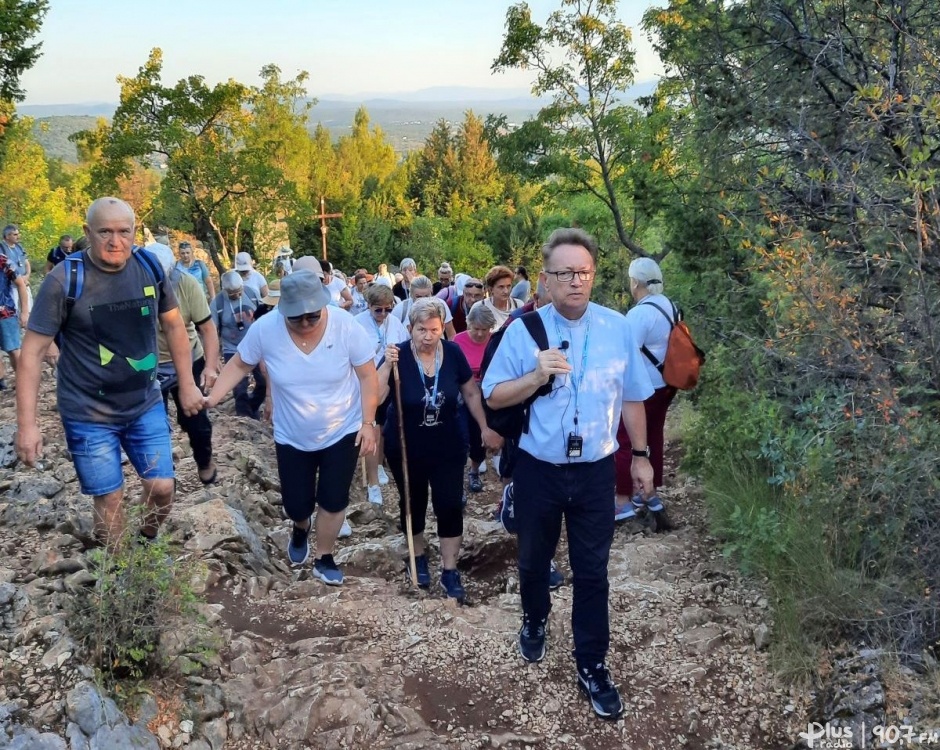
<point x="565" y="468"/>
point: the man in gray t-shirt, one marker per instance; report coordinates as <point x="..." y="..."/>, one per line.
<point x="108" y="395"/>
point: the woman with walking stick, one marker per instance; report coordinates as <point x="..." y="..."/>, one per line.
<point x="433" y="373"/>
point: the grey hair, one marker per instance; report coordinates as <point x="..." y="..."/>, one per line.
<point x="425" y="309"/>
<point x="407" y="263"/>
<point x="569" y="236"/>
<point x="421" y="282"/>
<point x="482" y="315"/>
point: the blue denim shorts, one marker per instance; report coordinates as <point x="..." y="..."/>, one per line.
<point x="10" y="334"/>
<point x="96" y="450"/>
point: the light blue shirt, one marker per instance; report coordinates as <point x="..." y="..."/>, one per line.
<point x="609" y="374"/>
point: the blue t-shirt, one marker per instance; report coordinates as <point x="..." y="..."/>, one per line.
<point x="8" y="276"/>
<point x="17" y="256"/>
<point x="433" y="427"/>
<point x="198" y="270"/>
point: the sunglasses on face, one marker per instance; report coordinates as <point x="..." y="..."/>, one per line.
<point x="385" y="310"/>
<point x="309" y="318"/>
<point x="473" y="286"/>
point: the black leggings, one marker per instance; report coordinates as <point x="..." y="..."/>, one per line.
<point x="477" y="450"/>
<point x="304" y="486"/>
<point x="445" y="480"/>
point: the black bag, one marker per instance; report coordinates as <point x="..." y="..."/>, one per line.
<point x="512" y="421"/>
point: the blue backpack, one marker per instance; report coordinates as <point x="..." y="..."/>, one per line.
<point x="74" y="265"/>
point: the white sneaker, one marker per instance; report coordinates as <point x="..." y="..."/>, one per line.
<point x="383" y="478"/>
<point x="345" y="530"/>
<point x="375" y="494"/>
<point x="482" y="469"/>
<point x="494" y="462"/>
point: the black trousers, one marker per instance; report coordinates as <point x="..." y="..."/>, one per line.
<point x="581" y="495"/>
<point x="197" y="427"/>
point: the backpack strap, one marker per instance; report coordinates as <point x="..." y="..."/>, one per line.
<point x="672" y="324"/>
<point x="536" y="327"/>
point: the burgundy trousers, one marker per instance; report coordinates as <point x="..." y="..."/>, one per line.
<point x="656" y="407"/>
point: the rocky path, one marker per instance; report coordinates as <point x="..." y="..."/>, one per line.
<point x="375" y="663"/>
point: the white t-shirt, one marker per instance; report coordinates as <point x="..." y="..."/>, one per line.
<point x="336" y="287"/>
<point x="256" y="281"/>
<point x="651" y="329"/>
<point x="316" y="395"/>
<point x="390" y="332"/>
<point x="501" y="315"/>
<point x="403" y="308"/>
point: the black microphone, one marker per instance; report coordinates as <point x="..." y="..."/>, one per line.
<point x="564" y="345"/>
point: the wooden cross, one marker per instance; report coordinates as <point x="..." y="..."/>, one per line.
<point x="323" y="227"/>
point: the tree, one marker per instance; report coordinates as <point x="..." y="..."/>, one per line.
<point x="581" y="57"/>
<point x="20" y="21"/>
<point x="219" y="174"/>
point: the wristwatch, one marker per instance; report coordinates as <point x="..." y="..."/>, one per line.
<point x="373" y="423"/>
<point x="645" y="453"/>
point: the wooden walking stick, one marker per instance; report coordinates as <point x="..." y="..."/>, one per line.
<point x="362" y="468"/>
<point x="412" y="567"/>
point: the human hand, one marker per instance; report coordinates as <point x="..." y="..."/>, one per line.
<point x="391" y="353"/>
<point x="366" y="440"/>
<point x="52" y="355"/>
<point x="209" y="375"/>
<point x="492" y="440"/>
<point x="642" y="472"/>
<point x="29" y="444"/>
<point x="191" y="399"/>
<point x="24" y="318"/>
<point x="551" y="362"/>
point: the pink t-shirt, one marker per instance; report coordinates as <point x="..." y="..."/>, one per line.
<point x="472" y="351"/>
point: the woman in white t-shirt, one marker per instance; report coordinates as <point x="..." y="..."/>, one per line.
<point x="499" y="286"/>
<point x="321" y="370"/>
<point x="421" y="288"/>
<point x="383" y="329"/>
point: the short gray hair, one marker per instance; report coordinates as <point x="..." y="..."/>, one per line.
<point x="569" y="236"/>
<point x="425" y="309"/>
<point x="407" y="263"/>
<point x="481" y="315"/>
<point x="421" y="282"/>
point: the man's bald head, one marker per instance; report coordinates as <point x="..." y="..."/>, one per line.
<point x="111" y="206"/>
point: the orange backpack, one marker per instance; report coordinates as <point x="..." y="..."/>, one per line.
<point x="680" y="367"/>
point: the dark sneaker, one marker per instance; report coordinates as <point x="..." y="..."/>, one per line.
<point x="555" y="578"/>
<point x="298" y="548"/>
<point x="599" y="688"/>
<point x="326" y="570"/>
<point x="507" y="512"/>
<point x="532" y="639"/>
<point x="475" y="484"/>
<point x="450" y="580"/>
<point x="424" y="573"/>
<point x="3" y="384"/>
<point x="659" y="515"/>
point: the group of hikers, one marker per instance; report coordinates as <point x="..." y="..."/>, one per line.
<point x="396" y="369"/>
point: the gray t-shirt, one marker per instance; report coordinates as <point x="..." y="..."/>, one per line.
<point x="227" y="314"/>
<point x="108" y="366"/>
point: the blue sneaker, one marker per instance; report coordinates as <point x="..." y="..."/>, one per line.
<point x="629" y="509"/>
<point x="532" y="639"/>
<point x="475" y="483"/>
<point x="507" y="513"/>
<point x="450" y="580"/>
<point x="421" y="567"/>
<point x="596" y="684"/>
<point x="326" y="570"/>
<point x="298" y="548"/>
<point x="555" y="578"/>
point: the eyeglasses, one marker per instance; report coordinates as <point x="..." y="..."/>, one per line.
<point x="565" y="276"/>
<point x="473" y="286"/>
<point x="385" y="310"/>
<point x="309" y="318"/>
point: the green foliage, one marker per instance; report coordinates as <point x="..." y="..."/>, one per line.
<point x="140" y="594"/>
<point x="20" y="21"/>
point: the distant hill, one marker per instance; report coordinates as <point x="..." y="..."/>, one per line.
<point x="406" y="119"/>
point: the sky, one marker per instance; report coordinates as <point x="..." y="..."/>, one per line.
<point x="348" y="46"/>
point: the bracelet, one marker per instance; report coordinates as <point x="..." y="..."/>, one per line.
<point x="373" y="423"/>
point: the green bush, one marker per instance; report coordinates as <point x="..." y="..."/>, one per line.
<point x="139" y="593"/>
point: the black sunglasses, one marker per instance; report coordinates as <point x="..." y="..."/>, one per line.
<point x="473" y="286"/>
<point x="385" y="310"/>
<point x="309" y="317"/>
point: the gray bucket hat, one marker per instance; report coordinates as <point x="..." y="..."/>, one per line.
<point x="302" y="292"/>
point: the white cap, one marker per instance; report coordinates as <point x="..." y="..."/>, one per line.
<point x="647" y="272"/>
<point x="243" y="262"/>
<point x="308" y="263"/>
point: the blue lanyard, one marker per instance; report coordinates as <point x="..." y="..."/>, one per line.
<point x="577" y="378"/>
<point x="380" y="332"/>
<point x="431" y="395"/>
